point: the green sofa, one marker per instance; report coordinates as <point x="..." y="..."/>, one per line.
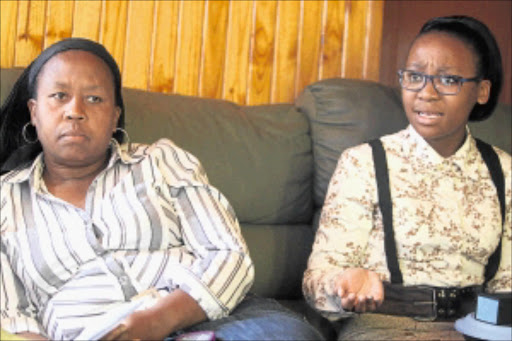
<point x="273" y="162"/>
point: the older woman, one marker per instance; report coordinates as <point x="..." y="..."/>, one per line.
<point x="92" y="228"/>
<point x="439" y="233"/>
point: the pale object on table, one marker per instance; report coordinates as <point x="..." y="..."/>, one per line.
<point x="470" y="326"/>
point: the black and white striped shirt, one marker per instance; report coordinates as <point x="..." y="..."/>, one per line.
<point x="151" y="220"/>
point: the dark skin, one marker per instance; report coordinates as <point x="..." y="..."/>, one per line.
<point x="440" y="119"/>
<point x="75" y="116"/>
<point x="172" y="313"/>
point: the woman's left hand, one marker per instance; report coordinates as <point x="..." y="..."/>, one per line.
<point x="175" y="311"/>
<point x="360" y="290"/>
<point x="140" y="325"/>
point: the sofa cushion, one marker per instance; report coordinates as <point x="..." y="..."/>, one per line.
<point x="8" y="77"/>
<point x="258" y="157"/>
<point x="496" y="129"/>
<point x="344" y="113"/>
<point x="280" y="254"/>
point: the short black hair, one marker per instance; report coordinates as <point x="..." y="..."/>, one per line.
<point x="480" y="39"/>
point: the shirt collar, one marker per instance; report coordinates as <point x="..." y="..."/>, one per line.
<point x="23" y="173"/>
<point x="124" y="153"/>
<point x="465" y="158"/>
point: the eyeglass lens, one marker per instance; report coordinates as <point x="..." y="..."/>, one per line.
<point x="415" y="81"/>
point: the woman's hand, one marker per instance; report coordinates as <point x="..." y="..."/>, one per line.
<point x="173" y="312"/>
<point x="140" y="325"/>
<point x="27" y="336"/>
<point x="360" y="290"/>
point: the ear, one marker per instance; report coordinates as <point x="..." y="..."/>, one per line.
<point x="484" y="91"/>
<point x="31" y="104"/>
<point x="117" y="114"/>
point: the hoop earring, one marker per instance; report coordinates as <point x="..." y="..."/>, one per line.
<point x="24" y="134"/>
<point x="126" y="139"/>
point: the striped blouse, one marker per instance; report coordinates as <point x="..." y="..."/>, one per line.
<point x="151" y="220"/>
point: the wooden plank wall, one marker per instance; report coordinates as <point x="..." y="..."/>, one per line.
<point x="249" y="52"/>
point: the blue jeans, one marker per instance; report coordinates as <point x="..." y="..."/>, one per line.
<point x="257" y="318"/>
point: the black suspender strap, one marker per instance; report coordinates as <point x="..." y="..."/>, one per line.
<point x="386" y="209"/>
<point x="492" y="161"/>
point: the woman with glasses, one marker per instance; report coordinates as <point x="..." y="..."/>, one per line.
<point x="416" y="224"/>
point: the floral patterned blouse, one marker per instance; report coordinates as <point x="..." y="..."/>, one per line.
<point x="446" y="218"/>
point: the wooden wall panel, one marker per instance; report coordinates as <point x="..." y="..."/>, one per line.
<point x="246" y="51"/>
<point x="86" y="19"/>
<point x="113" y="29"/>
<point x="8" y="16"/>
<point x="330" y="64"/>
<point x="59" y="21"/>
<point x="138" y="44"/>
<point x="262" y="56"/>
<point x="354" y="39"/>
<point x="214" y="45"/>
<point x="236" y="69"/>
<point x="286" y="49"/>
<point x="30" y="32"/>
<point x="190" y="42"/>
<point x="165" y="41"/>
<point x="310" y="42"/>
<point x="373" y="39"/>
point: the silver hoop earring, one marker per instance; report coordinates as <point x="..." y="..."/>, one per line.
<point x="126" y="138"/>
<point x="24" y="134"/>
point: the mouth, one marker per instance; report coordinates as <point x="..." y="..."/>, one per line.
<point x="73" y="136"/>
<point x="429" y="114"/>
<point x="424" y="117"/>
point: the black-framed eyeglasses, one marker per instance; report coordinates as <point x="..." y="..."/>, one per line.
<point x="444" y="84"/>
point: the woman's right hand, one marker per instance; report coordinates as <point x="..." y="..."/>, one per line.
<point x="29" y="336"/>
<point x="360" y="290"/>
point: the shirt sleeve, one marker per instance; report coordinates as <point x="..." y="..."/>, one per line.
<point x="502" y="281"/>
<point x="17" y="314"/>
<point x="343" y="233"/>
<point x="214" y="266"/>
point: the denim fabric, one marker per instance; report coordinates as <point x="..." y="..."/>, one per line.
<point x="389" y="327"/>
<point x="258" y="318"/>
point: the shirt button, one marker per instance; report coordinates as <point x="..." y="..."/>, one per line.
<point x="124" y="280"/>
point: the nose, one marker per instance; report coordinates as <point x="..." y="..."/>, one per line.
<point x="74" y="111"/>
<point x="429" y="91"/>
<point x="73" y="115"/>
